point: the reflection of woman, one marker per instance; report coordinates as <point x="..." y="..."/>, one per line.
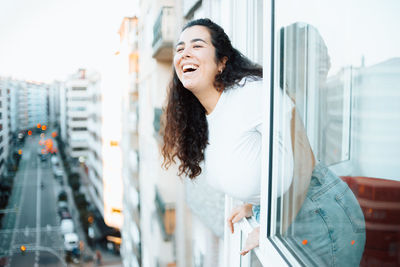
<point x="213" y="122"/>
<point x="321" y="217"/>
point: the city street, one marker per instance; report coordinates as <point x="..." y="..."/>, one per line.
<point x="31" y="218"/>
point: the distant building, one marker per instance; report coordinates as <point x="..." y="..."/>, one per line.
<point x="74" y="106"/>
<point x="4" y="124"/>
<point x="38" y="105"/>
<point x="23" y="105"/>
<point x="54" y="104"/>
<point x="94" y="160"/>
<point x="131" y="236"/>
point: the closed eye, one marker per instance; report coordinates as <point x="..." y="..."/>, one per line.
<point x="179" y="49"/>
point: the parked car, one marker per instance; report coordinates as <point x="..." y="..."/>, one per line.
<point x="58" y="173"/>
<point x="67" y="226"/>
<point x="64" y="214"/>
<point x="42" y="154"/>
<point x="54" y="160"/>
<point x="62" y="206"/>
<point x="62" y="196"/>
<point x="71" y="242"/>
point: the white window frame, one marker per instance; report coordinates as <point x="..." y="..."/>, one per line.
<point x="268" y="253"/>
<point x="272" y="252"/>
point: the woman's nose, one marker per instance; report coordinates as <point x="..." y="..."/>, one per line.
<point x="186" y="53"/>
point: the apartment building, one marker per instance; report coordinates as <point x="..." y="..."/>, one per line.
<point x="4" y="124"/>
<point x="74" y="102"/>
<point x="131" y="234"/>
<point x="181" y="222"/>
<point x="94" y="157"/>
<point x="13" y="105"/>
<point x="157" y="27"/>
<point x="54" y="104"/>
<point x="23" y="104"/>
<point x="348" y="109"/>
<point x="28" y="104"/>
<point x="38" y="107"/>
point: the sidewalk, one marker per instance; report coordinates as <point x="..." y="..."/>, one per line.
<point x="109" y="258"/>
<point x="87" y="252"/>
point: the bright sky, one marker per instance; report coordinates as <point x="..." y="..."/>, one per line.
<point x="351" y="29"/>
<point x="43" y="40"/>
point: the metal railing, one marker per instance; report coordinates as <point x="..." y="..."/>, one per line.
<point x="163" y="33"/>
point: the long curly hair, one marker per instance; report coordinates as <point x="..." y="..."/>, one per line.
<point x="186" y="129"/>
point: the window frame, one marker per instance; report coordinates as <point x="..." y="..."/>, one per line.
<point x="271" y="250"/>
<point x="268" y="252"/>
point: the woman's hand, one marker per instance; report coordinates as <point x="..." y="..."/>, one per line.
<point x="252" y="241"/>
<point x="239" y="213"/>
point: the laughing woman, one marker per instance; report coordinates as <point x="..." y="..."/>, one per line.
<point x="213" y="116"/>
<point x="213" y="125"/>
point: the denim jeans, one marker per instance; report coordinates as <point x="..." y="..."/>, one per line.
<point x="329" y="229"/>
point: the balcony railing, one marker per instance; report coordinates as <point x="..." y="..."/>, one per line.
<point x="166" y="216"/>
<point x="163" y="34"/>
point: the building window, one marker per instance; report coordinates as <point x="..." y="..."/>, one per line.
<point x="79" y="149"/>
<point x="78" y="88"/>
<point x="76" y="108"/>
<point x="340" y="88"/>
<point x="76" y="98"/>
<point x="79" y="129"/>
<point x="78" y="119"/>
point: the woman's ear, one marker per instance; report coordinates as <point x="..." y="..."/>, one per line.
<point x="222" y="64"/>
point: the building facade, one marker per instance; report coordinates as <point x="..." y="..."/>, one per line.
<point x="74" y="103"/>
<point x="131" y="234"/>
<point x="5" y="136"/>
<point x="345" y="93"/>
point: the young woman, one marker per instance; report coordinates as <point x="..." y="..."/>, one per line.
<point x="214" y="120"/>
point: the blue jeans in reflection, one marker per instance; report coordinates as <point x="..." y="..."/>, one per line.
<point x="329" y="229"/>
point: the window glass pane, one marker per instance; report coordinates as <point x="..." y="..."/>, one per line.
<point x="337" y="127"/>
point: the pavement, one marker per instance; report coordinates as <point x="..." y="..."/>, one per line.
<point x="108" y="258"/>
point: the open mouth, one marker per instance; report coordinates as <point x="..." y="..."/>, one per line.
<point x="189" y="68"/>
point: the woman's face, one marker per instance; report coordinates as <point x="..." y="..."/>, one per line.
<point x="194" y="61"/>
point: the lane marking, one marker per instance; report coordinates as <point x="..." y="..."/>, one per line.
<point x="38" y="208"/>
<point x="16" y="225"/>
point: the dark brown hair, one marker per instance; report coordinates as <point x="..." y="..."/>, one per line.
<point x="186" y="129"/>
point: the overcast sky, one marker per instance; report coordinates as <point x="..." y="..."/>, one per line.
<point x="43" y="40"/>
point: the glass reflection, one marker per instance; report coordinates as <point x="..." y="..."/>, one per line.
<point x="346" y="117"/>
<point x="320" y="215"/>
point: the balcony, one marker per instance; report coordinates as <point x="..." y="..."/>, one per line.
<point x="164" y="34"/>
<point x="165" y="215"/>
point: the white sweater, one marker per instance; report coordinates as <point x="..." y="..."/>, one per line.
<point x="232" y="162"/>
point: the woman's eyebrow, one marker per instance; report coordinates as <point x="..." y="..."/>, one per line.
<point x="192" y="41"/>
<point x="197" y="40"/>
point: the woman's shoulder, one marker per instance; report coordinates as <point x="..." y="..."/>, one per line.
<point x="254" y="82"/>
<point x="243" y="87"/>
<point x="249" y="88"/>
<point x="247" y="94"/>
